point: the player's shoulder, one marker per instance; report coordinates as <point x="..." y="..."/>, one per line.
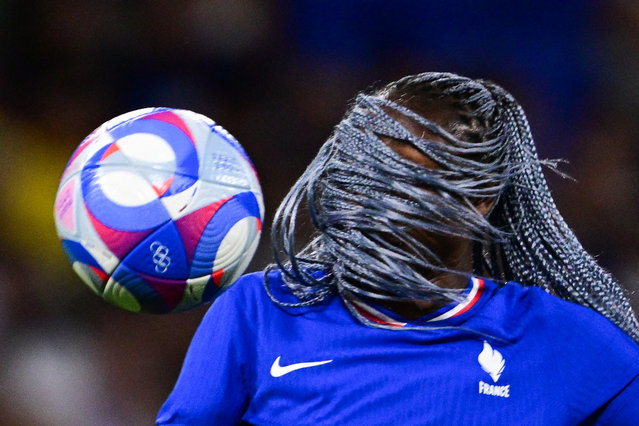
<point x="566" y="321"/>
<point x="246" y="290"/>
<point x="259" y="288"/>
<point x="240" y="308"/>
<point x="247" y="282"/>
<point x="535" y="300"/>
<point x="268" y="293"/>
<point x="554" y="308"/>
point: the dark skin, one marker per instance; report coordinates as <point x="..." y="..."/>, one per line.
<point x="455" y="252"/>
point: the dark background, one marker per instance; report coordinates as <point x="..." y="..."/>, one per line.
<point x="278" y="75"/>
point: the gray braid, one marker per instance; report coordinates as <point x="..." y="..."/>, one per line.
<point x="542" y="250"/>
<point x="363" y="200"/>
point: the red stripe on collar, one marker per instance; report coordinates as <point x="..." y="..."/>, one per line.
<point x="473" y="296"/>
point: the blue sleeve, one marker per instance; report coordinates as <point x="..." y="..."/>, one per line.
<point x="623" y="409"/>
<point x="211" y="388"/>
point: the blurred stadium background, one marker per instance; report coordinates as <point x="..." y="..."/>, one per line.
<point x="277" y="75"/>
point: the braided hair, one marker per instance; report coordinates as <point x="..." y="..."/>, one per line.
<point x="364" y="201"/>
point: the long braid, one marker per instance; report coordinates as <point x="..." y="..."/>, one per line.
<point x="363" y="200"/>
<point x="542" y="250"/>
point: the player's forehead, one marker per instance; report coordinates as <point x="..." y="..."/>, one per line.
<point x="408" y="149"/>
<point x="411" y="153"/>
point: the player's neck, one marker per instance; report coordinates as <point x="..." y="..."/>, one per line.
<point x="414" y="309"/>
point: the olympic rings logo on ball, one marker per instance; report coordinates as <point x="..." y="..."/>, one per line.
<point x="160" y="256"/>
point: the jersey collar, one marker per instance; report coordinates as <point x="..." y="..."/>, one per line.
<point x="476" y="292"/>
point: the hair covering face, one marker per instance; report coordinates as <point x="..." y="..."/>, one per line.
<point x="365" y="201"/>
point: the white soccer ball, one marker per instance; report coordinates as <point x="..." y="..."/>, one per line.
<point x="159" y="210"/>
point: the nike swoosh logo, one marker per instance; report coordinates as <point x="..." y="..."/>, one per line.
<point x="278" y="371"/>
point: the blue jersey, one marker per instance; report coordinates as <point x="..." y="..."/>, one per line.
<point x="503" y="355"/>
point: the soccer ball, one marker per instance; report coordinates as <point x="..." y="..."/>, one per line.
<point x="159" y="210"/>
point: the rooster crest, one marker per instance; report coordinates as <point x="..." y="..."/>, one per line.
<point x="491" y="361"/>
